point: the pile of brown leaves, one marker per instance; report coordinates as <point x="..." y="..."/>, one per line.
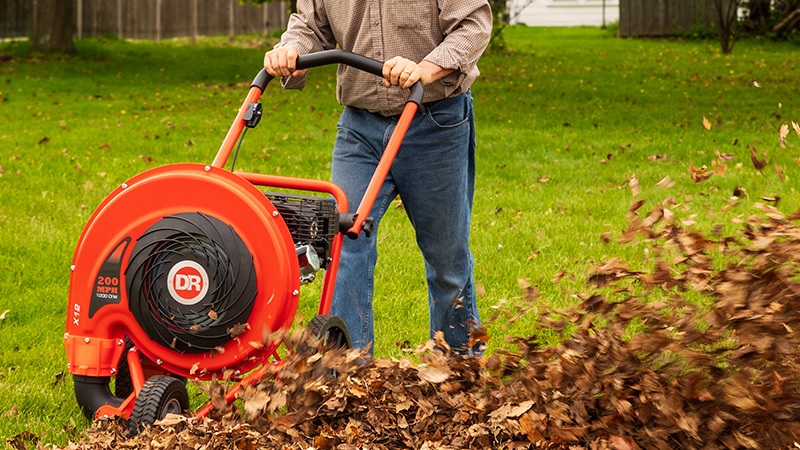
<point x="719" y="376"/>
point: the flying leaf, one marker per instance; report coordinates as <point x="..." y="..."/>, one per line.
<point x="758" y="163"/>
<point x="633" y="208"/>
<point x="699" y="174"/>
<point x="434" y="374"/>
<point x="782" y="135"/>
<point x="238" y="329"/>
<point x="724" y="156"/>
<point x="634" y="185"/>
<point x="665" y="182"/>
<point x="779" y="172"/>
<point x="59" y="377"/>
<point x="478" y="334"/>
<point x="796" y="128"/>
<point x="707" y="123"/>
<point x="719" y="167"/>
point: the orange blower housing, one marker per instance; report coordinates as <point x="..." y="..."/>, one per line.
<point x="208" y="260"/>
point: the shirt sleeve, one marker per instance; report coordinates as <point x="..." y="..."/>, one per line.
<point x="467" y="28"/>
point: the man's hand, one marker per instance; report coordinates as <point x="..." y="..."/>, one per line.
<point x="404" y="72"/>
<point x="282" y="62"/>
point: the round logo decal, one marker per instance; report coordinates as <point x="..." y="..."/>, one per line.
<point x="187" y="282"/>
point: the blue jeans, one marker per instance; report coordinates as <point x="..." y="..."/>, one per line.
<point x="434" y="174"/>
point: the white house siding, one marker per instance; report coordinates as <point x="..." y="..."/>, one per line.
<point x="563" y="13"/>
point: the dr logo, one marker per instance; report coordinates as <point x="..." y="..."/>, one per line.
<point x="187" y="282"/>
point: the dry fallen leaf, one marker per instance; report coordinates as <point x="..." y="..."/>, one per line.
<point x="12" y="413"/>
<point x="782" y="134"/>
<point x="706" y="123"/>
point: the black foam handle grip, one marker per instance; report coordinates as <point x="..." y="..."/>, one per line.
<point x="326" y="57"/>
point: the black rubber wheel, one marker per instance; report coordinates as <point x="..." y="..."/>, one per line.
<point x="160" y="395"/>
<point x="123" y="384"/>
<point x="331" y="330"/>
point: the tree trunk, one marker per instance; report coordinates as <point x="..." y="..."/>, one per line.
<point x="758" y="16"/>
<point x="54" y="27"/>
<point x="726" y="22"/>
<point x="231" y="22"/>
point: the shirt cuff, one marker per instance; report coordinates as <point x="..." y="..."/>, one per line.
<point x="444" y="58"/>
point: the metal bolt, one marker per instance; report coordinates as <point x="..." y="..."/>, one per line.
<point x="86" y="340"/>
<point x="72" y="267"/>
<point x="159" y="362"/>
<point x="275" y="213"/>
<point x="237" y="372"/>
<point x="69" y="365"/>
<point x="113" y="371"/>
<point x="208" y="168"/>
<point x="120" y="342"/>
<point x="124" y="185"/>
<point x="66" y="335"/>
<point x="295" y="292"/>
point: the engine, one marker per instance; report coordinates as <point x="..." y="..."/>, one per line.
<point x="312" y="222"/>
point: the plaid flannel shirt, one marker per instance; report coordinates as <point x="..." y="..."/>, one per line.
<point x="449" y="33"/>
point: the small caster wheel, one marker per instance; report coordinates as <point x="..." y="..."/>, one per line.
<point x="160" y="395"/>
<point x="331" y="331"/>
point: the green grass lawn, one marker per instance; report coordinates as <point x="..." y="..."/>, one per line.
<point x="568" y="121"/>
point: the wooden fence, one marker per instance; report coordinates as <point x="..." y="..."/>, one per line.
<point x="152" y="19"/>
<point x="664" y="17"/>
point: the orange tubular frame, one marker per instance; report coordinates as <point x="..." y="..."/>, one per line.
<point x="382" y="170"/>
